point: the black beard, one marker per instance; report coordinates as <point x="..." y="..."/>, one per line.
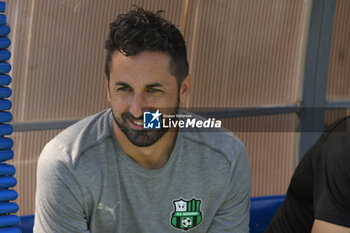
<point x="140" y="138"/>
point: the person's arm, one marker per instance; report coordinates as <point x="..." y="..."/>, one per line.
<point x="59" y="206"/>
<point x="326" y="227"/>
<point x="233" y="215"/>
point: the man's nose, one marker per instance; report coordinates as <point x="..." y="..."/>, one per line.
<point x="136" y="107"/>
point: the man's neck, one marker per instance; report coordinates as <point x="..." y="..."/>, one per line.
<point x="151" y="157"/>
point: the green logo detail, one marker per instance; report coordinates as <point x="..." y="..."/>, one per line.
<point x="186" y="214"/>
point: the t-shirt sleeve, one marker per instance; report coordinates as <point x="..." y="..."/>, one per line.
<point x="59" y="206"/>
<point x="332" y="180"/>
<point x="233" y="215"/>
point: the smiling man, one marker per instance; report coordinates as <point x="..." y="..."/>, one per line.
<point x="107" y="173"/>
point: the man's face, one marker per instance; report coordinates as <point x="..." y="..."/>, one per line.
<point x="139" y="83"/>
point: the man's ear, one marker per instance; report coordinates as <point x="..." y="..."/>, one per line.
<point x="185" y="88"/>
<point x="107" y="88"/>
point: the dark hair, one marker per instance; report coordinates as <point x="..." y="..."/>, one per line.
<point x="140" y="30"/>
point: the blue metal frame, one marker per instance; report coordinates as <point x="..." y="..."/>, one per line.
<point x="316" y="72"/>
<point x="42" y="125"/>
<point x="250" y="111"/>
<point x="338" y="104"/>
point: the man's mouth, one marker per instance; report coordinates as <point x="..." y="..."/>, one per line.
<point x="137" y="122"/>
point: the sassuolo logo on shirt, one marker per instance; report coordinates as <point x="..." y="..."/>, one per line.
<point x="186" y="214"/>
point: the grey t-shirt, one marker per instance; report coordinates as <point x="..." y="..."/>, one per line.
<point x="86" y="183"/>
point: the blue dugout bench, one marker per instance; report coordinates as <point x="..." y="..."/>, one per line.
<point x="262" y="210"/>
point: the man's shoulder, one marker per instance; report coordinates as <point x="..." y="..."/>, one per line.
<point x="335" y="138"/>
<point x="219" y="141"/>
<point x="217" y="154"/>
<point x="79" y="137"/>
<point x="335" y="145"/>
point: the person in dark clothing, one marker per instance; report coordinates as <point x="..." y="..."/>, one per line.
<point x="318" y="197"/>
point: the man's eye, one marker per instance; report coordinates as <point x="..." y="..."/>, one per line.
<point x="153" y="90"/>
<point x="123" y="89"/>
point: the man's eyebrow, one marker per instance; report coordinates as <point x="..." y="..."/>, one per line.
<point x="154" y="85"/>
<point x="122" y="84"/>
<point x="148" y="85"/>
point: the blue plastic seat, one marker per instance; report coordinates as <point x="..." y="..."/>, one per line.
<point x="262" y="210"/>
<point x="26" y="223"/>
